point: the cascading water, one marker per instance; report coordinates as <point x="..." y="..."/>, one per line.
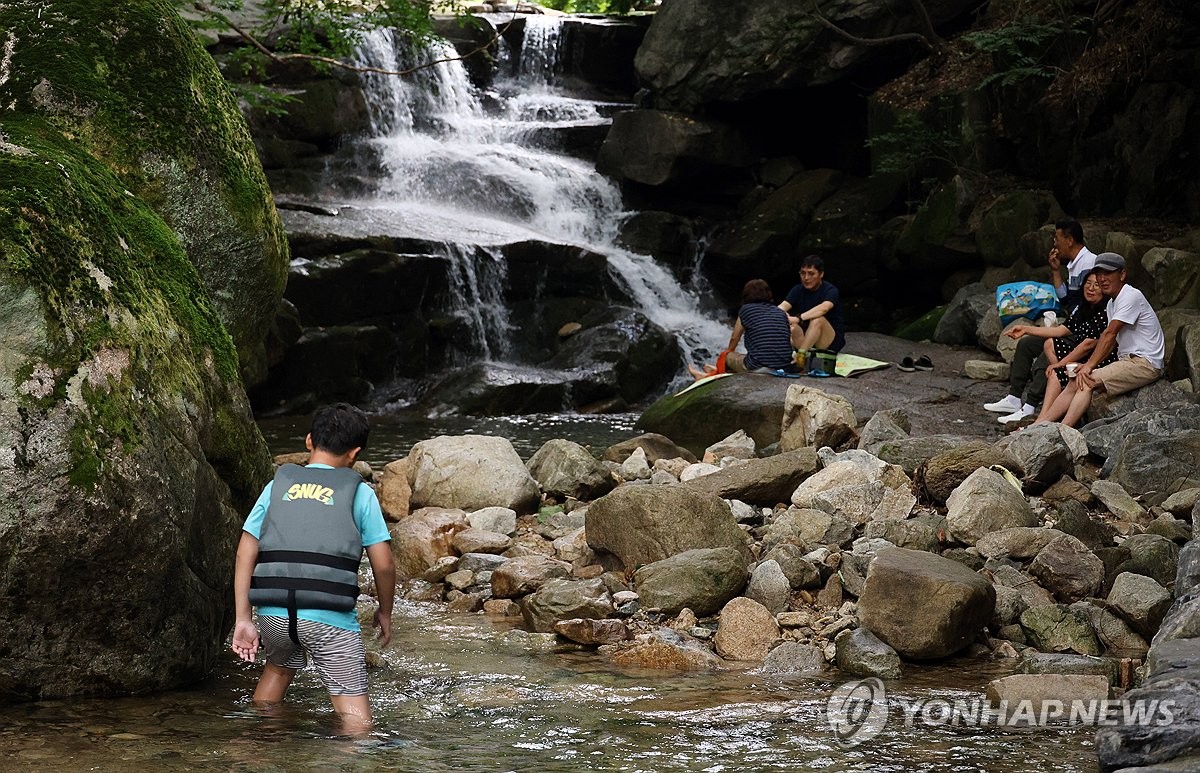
<point x="448" y="170"/>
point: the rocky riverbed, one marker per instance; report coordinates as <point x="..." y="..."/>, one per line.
<point x="851" y="548"/>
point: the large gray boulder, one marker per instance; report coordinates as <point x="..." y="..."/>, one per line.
<point x="643" y="524"/>
<point x="523" y="575"/>
<point x="922" y="605"/>
<point x="945" y="471"/>
<point x="655" y="147"/>
<point x="702" y="580"/>
<point x="559" y="600"/>
<point x="861" y="653"/>
<point x="986" y="502"/>
<point x="1147" y="463"/>
<point x="1068" y="569"/>
<point x="1042" y="454"/>
<point x="566" y="469"/>
<point x="470" y="472"/>
<point x="127" y="447"/>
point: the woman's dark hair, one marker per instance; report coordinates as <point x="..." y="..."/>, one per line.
<point x="756" y="291"/>
<point x="338" y="428"/>
<point x="1087" y="310"/>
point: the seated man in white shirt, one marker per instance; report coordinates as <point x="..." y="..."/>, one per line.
<point x="1133" y="328"/>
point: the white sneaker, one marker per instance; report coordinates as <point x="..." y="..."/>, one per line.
<point x="1021" y="413"/>
<point x="1007" y="405"/>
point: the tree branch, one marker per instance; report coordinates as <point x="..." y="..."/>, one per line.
<point x="929" y="39"/>
<point x="278" y="57"/>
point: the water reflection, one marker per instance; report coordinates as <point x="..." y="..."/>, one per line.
<point x="458" y="693"/>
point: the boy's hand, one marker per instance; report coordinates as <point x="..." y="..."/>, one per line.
<point x="245" y="640"/>
<point x="383" y="623"/>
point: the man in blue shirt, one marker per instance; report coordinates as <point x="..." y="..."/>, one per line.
<point x="312" y="524"/>
<point x="814" y="310"/>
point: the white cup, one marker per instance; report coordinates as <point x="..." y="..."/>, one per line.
<point x="1071" y="368"/>
<point x="1049" y="319"/>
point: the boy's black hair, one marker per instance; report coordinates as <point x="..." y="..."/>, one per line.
<point x="1072" y="228"/>
<point x="338" y="428"/>
<point x="813" y="261"/>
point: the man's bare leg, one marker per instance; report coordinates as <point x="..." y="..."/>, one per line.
<point x="819" y="335"/>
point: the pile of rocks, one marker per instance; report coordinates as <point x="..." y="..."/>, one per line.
<point x="798" y="560"/>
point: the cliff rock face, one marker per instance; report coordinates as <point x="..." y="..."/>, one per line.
<point x="136" y="90"/>
<point x="697" y="53"/>
<point x="127" y="449"/>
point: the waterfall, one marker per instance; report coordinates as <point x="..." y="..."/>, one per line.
<point x="451" y="170"/>
<point x="477" y="276"/>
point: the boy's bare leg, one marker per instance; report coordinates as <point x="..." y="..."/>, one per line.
<point x="354" y="711"/>
<point x="273" y="684"/>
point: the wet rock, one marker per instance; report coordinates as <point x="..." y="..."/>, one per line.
<point x="1074" y="665"/>
<point x="441" y="569"/>
<point x="946" y="471"/>
<point x="643" y="524"/>
<point x="1140" y="601"/>
<point x="566" y="469"/>
<point x="1073" y="519"/>
<point x="470" y="472"/>
<point x="746" y="631"/>
<point x="1058" y="628"/>
<point x="656" y="147"/>
<point x="592" y="632"/>
<point x="467" y="602"/>
<point x="501" y="608"/>
<point x="1020" y="543"/>
<point x="481" y="562"/>
<point x="769" y="586"/>
<point x="563" y="600"/>
<point x="666" y="650"/>
<point x="500" y="520"/>
<point x="702" y="580"/>
<point x="861" y="653"/>
<point x="760" y="481"/>
<point x="1125" y="747"/>
<point x="460" y="580"/>
<point x="520" y="576"/>
<point x="793" y="658"/>
<point x="985" y="502"/>
<point x="478" y="541"/>
<point x="1041" y="689"/>
<point x="1068" y="569"/>
<point x="815" y="418"/>
<point x="422" y="538"/>
<point x="1042" y="454"/>
<point x="799" y="572"/>
<point x="1118" y="501"/>
<point x="924" y="606"/>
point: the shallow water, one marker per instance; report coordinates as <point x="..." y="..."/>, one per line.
<point x="393" y="434"/>
<point x="461" y="693"/>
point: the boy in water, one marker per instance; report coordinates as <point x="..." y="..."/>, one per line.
<point x="297" y="562"/>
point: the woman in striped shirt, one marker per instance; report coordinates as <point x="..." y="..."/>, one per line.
<point x="765" y="327"/>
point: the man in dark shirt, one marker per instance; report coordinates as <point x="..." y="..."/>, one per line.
<point x="814" y="310"/>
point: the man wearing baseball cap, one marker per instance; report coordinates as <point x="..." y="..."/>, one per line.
<point x="1133" y="330"/>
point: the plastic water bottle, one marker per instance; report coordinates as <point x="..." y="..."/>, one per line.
<point x="1049" y="319"/>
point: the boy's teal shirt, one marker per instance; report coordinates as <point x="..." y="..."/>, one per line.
<point x="368" y="517"/>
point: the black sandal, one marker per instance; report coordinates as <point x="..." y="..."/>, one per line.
<point x="907" y="365"/>
<point x="923" y="363"/>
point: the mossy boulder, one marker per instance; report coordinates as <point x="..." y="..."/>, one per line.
<point x="127" y="447"/>
<point x="132" y="85"/>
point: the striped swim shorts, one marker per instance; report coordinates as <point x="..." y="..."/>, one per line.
<point x="337" y="654"/>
